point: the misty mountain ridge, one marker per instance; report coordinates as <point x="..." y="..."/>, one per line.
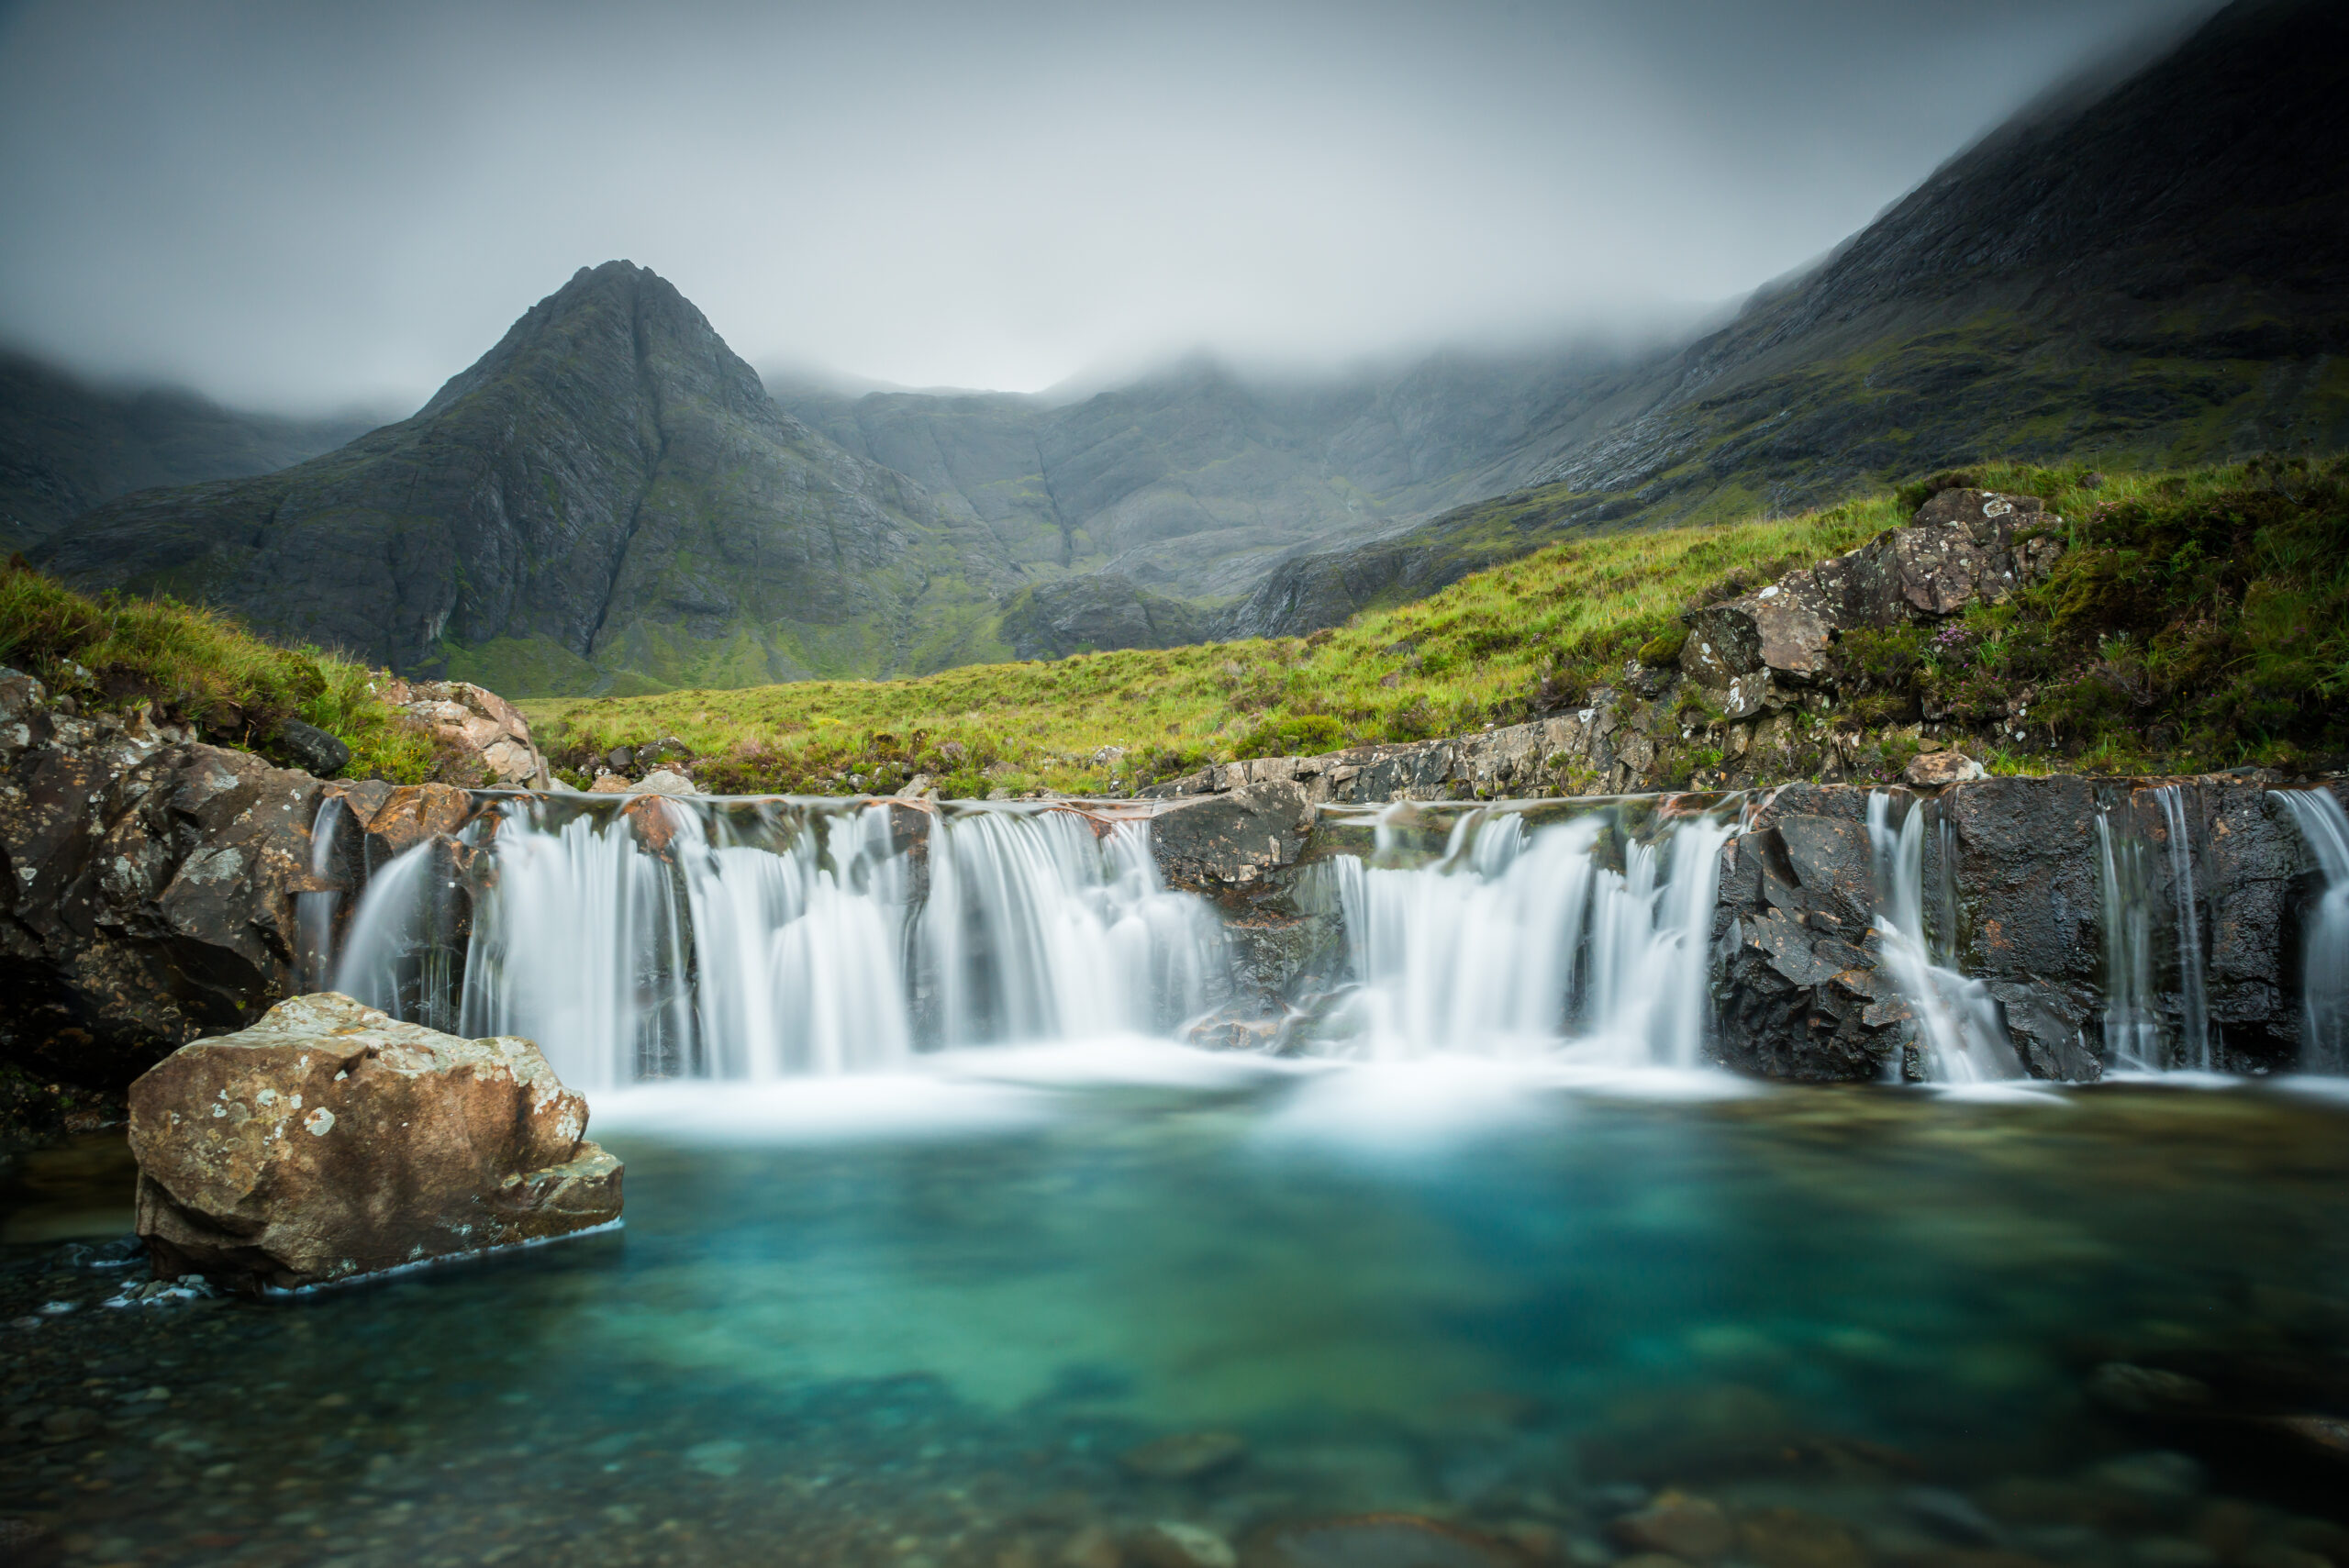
<point x="2158" y="274"/>
<point x="67" y="445"/>
<point x="610" y="500"/>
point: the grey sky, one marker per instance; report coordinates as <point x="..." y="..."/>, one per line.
<point x="307" y="206"/>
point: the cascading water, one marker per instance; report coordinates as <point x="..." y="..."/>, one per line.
<point x="2324" y="969"/>
<point x="314" y="912"/>
<point x="1518" y="943"/>
<point x="2134" y="1036"/>
<point x="764" y="940"/>
<point x="2194" y="1043"/>
<point x="1957" y="1022"/>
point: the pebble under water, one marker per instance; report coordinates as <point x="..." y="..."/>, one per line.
<point x="1127" y="1304"/>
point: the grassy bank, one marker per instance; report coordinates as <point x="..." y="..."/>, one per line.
<point x="2199" y="619"/>
<point x="198" y="667"/>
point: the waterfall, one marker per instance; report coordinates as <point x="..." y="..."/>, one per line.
<point x="2194" y="1041"/>
<point x="1958" y="1024"/>
<point x="2133" y="1029"/>
<point x="1515" y="944"/>
<point x="742" y="939"/>
<point x="2324" y="969"/>
<point x="397" y="954"/>
<point x="1036" y="928"/>
<point x="313" y="911"/>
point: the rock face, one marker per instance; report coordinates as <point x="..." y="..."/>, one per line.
<point x="147" y="887"/>
<point x="1220" y="841"/>
<point x="329" y="1141"/>
<point x="1802" y="988"/>
<point x="1798" y="976"/>
<point x="1097" y="611"/>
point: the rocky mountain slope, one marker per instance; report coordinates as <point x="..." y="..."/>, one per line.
<point x="1195" y="480"/>
<point x="2158" y="274"/>
<point x="66" y="447"/>
<point x="609" y="499"/>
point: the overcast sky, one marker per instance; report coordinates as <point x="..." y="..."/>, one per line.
<point x="306" y="207"/>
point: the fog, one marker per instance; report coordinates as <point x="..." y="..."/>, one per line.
<point x="307" y="207"/>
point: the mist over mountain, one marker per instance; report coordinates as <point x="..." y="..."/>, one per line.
<point x="2151" y="270"/>
<point x="2156" y="272"/>
<point x="66" y="446"/>
<point x="607" y="499"/>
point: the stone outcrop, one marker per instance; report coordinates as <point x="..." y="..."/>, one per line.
<point x="1749" y="699"/>
<point x="147" y="886"/>
<point x="1963" y="547"/>
<point x="476" y="722"/>
<point x="329" y="1141"/>
<point x="1232" y="839"/>
<point x="1798" y="976"/>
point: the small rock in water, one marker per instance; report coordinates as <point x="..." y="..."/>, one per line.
<point x="1691" y="1529"/>
<point x="1092" y="1547"/>
<point x="1617" y="1497"/>
<point x="2146" y="1391"/>
<point x="1788" y="1537"/>
<point x="1953" y="1515"/>
<point x="1172" y="1544"/>
<point x="2159" y="1476"/>
<point x="1185" y="1455"/>
<point x="64" y="1426"/>
<point x="1377" y="1540"/>
<point x="2325" y="1437"/>
<point x="1649" y="1560"/>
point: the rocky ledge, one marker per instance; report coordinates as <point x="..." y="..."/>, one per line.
<point x="1801" y="985"/>
<point x="1746" y="695"/>
<point x="329" y="1141"/>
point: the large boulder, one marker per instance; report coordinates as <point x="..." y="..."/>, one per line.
<point x="329" y="1141"/>
<point x="477" y="721"/>
<point x="147" y="887"/>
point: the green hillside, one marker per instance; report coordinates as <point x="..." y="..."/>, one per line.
<point x="2199" y="619"/>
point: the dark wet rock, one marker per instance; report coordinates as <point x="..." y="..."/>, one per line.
<point x="1375" y="1540"/>
<point x="149" y="888"/>
<point x="317" y="751"/>
<point x="2148" y="1390"/>
<point x="1953" y="1515"/>
<point x="1213" y="842"/>
<point x="1185" y="1456"/>
<point x="329" y="1141"/>
<point x="72" y="1423"/>
<point x="1693" y="1529"/>
<point x="2160" y="1476"/>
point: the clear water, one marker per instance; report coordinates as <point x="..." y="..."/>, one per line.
<point x="912" y="1320"/>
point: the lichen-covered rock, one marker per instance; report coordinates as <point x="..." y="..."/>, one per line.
<point x="147" y="887"/>
<point x="329" y="1141"/>
<point x="477" y="721"/>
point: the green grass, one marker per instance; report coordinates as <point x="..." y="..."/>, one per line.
<point x="2200" y="620"/>
<point x="201" y="667"/>
<point x="1544" y="629"/>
